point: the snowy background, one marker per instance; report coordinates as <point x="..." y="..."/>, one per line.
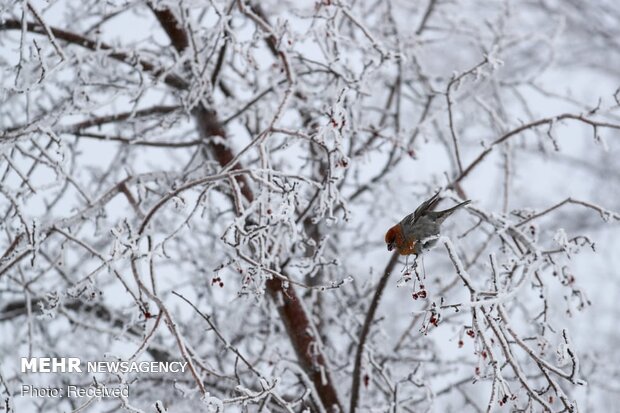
<point x="211" y="181"/>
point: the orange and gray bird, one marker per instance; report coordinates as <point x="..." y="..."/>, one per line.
<point x="409" y="235"/>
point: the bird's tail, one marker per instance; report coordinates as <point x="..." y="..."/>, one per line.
<point x="447" y="212"/>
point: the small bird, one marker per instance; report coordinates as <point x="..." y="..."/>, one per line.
<point x="409" y="234"/>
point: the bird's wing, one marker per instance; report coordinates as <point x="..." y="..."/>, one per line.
<point x="409" y="220"/>
<point x="424" y="206"/>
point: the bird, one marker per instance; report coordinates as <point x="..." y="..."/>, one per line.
<point x="409" y="235"/>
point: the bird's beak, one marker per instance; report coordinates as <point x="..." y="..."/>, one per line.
<point x="390" y="246"/>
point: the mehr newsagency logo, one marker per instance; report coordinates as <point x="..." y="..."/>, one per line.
<point x="76" y="365"/>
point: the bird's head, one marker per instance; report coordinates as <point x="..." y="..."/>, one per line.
<point x="390" y="237"/>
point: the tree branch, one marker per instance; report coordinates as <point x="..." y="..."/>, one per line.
<point x="307" y="345"/>
<point x="370" y="316"/>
